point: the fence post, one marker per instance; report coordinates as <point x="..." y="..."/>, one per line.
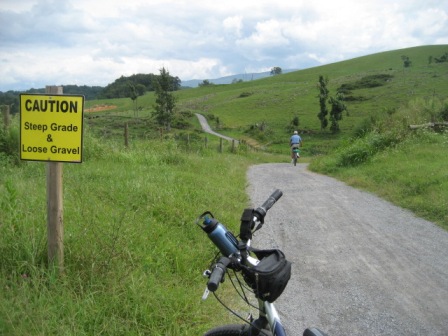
<point x="205" y="142"/>
<point x="126" y="135"/>
<point x="220" y="145"/>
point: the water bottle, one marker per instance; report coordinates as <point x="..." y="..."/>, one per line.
<point x="220" y="236"/>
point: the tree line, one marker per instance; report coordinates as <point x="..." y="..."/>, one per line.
<point x="123" y="87"/>
<point x="126" y="87"/>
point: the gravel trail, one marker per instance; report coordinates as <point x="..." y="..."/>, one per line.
<point x="361" y="266"/>
<point x="207" y="129"/>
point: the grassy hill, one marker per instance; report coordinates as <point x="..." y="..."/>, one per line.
<point x="276" y="100"/>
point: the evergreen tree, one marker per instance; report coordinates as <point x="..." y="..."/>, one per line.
<point x="323" y="96"/>
<point x="165" y="100"/>
<point x="337" y="107"/>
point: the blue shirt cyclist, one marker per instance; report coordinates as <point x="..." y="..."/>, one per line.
<point x="295" y="141"/>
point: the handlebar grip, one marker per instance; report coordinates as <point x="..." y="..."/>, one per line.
<point x="260" y="212"/>
<point x="275" y="196"/>
<point x="217" y="275"/>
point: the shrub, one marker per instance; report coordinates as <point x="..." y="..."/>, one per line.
<point x="365" y="126"/>
<point x="245" y="94"/>
<point x="9" y="143"/>
<point x="362" y="149"/>
<point x="444" y="112"/>
<point x="365" y="82"/>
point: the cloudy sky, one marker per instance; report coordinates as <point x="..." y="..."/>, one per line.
<point x="93" y="42"/>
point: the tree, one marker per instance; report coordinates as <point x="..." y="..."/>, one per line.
<point x="323" y="96"/>
<point x="276" y="71"/>
<point x="406" y="61"/>
<point x="293" y="124"/>
<point x="165" y="100"/>
<point x="205" y="82"/>
<point x="295" y="121"/>
<point x="337" y="107"/>
<point x="120" y="87"/>
<point x="442" y="59"/>
<point x="176" y="83"/>
<point x="134" y="92"/>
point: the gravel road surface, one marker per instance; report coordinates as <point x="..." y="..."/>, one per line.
<point x="206" y="128"/>
<point x="361" y="266"/>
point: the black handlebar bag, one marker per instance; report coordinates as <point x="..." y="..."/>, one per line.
<point x="270" y="276"/>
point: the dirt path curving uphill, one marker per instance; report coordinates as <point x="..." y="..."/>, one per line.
<point x="361" y="266"/>
<point x="206" y="128"/>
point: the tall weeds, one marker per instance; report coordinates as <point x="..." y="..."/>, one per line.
<point x="133" y="256"/>
<point x="9" y="142"/>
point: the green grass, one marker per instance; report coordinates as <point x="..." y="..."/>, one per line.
<point x="133" y="256"/>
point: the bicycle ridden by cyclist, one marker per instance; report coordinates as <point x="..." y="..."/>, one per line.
<point x="295" y="142"/>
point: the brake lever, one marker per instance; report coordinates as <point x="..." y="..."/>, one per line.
<point x="205" y="294"/>
<point x="206" y="274"/>
<point x="259" y="226"/>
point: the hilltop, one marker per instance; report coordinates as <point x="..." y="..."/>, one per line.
<point x="232" y="79"/>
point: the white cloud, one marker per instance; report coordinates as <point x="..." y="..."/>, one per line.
<point x="95" y="42"/>
<point x="233" y="25"/>
<point x="267" y="34"/>
<point x="429" y="22"/>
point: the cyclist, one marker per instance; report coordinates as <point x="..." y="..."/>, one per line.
<point x="295" y="142"/>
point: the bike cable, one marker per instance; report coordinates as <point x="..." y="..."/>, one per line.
<point x="242" y="289"/>
<point x="239" y="316"/>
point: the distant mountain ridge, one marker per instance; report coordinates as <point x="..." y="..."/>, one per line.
<point x="230" y="79"/>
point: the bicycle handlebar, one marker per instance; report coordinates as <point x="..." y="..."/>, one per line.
<point x="226" y="241"/>
<point x="217" y="274"/>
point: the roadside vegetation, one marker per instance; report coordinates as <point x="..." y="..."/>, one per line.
<point x="134" y="257"/>
<point x="402" y="165"/>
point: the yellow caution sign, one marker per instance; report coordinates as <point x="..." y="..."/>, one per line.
<point x="51" y="127"/>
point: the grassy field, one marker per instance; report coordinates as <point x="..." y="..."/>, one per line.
<point x="133" y="256"/>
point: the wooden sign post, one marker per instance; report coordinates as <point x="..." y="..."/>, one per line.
<point x="55" y="215"/>
<point x="51" y="130"/>
<point x="55" y="207"/>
